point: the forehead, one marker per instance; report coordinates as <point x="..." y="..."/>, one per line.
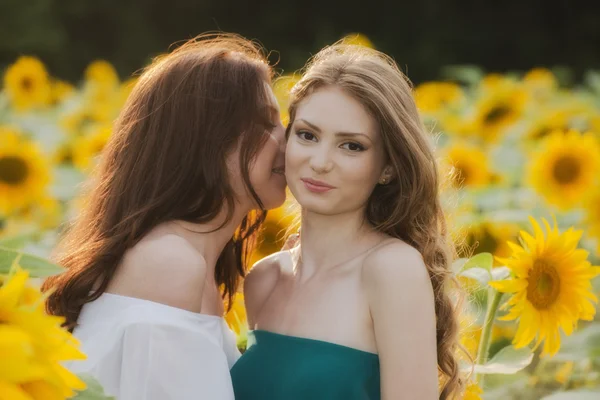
<point x="333" y="110"/>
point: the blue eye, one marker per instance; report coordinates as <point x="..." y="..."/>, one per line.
<point x="352" y="146"/>
<point x="304" y="135"/>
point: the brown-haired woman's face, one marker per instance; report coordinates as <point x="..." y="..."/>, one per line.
<point x="267" y="172"/>
<point x="334" y="154"/>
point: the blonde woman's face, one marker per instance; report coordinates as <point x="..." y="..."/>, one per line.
<point x="334" y="154"/>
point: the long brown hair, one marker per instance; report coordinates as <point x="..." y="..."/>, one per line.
<point x="166" y="160"/>
<point x="408" y="207"/>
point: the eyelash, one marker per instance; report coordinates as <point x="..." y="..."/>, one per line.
<point x="301" y="135"/>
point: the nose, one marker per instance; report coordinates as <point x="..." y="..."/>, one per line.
<point x="320" y="162"/>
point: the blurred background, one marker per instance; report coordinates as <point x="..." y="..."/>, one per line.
<point x="423" y="36"/>
<point x="510" y="92"/>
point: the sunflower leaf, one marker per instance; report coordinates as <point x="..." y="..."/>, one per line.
<point x="481" y="260"/>
<point x="469" y="74"/>
<point x="592" y="78"/>
<point x="37" y="266"/>
<point x="458" y="264"/>
<point x="509" y="360"/>
<point x="479" y="274"/>
<point x="94" y="390"/>
<point x="17" y="242"/>
<point x="574" y="395"/>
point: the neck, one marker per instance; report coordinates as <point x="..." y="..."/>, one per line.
<point x="210" y="238"/>
<point x="328" y="240"/>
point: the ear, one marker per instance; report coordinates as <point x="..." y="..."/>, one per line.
<point x="386" y="176"/>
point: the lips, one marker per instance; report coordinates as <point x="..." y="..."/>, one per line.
<point x="316" y="186"/>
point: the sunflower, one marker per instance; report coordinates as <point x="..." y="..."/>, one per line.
<point x="473" y="392"/>
<point x="273" y="234"/>
<point x="432" y="97"/>
<point x="358" y="39"/>
<point x="63" y="154"/>
<point x="550" y="286"/>
<point x="470" y="333"/>
<point x="547" y="122"/>
<point x="236" y="317"/>
<point x="540" y="83"/>
<point x="457" y="124"/>
<point x="500" y="105"/>
<point x="238" y="322"/>
<point x="102" y="72"/>
<point x="468" y="166"/>
<point x="592" y="216"/>
<point x="102" y="91"/>
<point x="489" y="237"/>
<point x="24" y="172"/>
<point x="75" y="122"/>
<point x="570" y="113"/>
<point x="88" y="147"/>
<point x="33" y="345"/>
<point x="565" y="168"/>
<point x="45" y="212"/>
<point x="27" y="83"/>
<point x="564" y="373"/>
<point x="282" y="88"/>
<point x="60" y="90"/>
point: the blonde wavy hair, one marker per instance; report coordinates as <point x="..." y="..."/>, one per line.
<point x="409" y="207"/>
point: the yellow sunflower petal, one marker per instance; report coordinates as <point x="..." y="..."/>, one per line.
<point x="10" y="391"/>
<point x="509" y="286"/>
<point x="11" y="292"/>
<point x="42" y="390"/>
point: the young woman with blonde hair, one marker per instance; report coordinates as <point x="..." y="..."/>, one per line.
<point x="360" y="309"/>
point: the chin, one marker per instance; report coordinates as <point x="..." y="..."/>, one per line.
<point x="316" y="205"/>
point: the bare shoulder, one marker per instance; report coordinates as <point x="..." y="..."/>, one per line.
<point x="260" y="282"/>
<point x="395" y="265"/>
<point x="166" y="269"/>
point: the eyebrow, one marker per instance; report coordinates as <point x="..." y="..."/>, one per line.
<point x="342" y="134"/>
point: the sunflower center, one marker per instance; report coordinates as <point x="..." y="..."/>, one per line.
<point x="487" y="243"/>
<point x="13" y="170"/>
<point x="543" y="285"/>
<point x="27" y="83"/>
<point x="566" y="170"/>
<point x="497" y="114"/>
<point x="461" y="174"/>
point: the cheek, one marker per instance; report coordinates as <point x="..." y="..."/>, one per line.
<point x="293" y="156"/>
<point x="359" y="176"/>
<point x="260" y="171"/>
<point x="263" y="164"/>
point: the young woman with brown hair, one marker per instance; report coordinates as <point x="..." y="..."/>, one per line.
<point x="196" y="156"/>
<point x="360" y="309"/>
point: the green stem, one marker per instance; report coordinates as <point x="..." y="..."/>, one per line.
<point x="486" y="334"/>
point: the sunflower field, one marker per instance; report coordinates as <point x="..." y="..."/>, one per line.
<point x="520" y="154"/>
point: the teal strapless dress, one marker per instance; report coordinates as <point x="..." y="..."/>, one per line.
<point x="281" y="367"/>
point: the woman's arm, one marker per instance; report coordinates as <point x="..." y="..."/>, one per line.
<point x="401" y="302"/>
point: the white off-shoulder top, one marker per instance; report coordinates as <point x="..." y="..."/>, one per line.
<point x="143" y="350"/>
